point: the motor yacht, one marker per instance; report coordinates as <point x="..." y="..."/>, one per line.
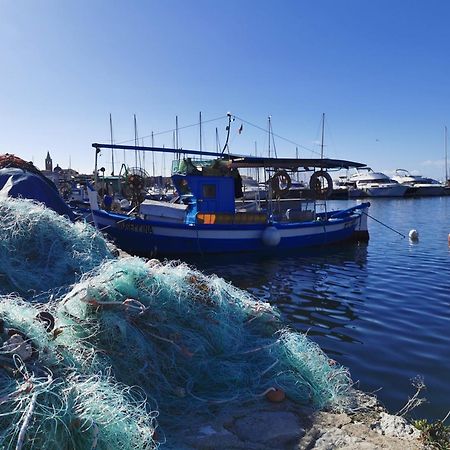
<point x="419" y="185"/>
<point x="367" y="183"/>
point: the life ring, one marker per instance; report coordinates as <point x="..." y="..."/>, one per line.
<point x="317" y="186"/>
<point x="280" y="183"/>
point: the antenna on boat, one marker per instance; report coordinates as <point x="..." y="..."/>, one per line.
<point x="228" y="133"/>
<point x="112" y="142"/>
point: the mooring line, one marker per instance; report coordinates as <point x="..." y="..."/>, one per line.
<point x="387" y="226"/>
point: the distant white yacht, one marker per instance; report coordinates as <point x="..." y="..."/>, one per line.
<point x="419" y="185"/>
<point x="252" y="190"/>
<point x="367" y="183"/>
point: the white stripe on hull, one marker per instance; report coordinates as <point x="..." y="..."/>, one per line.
<point x="197" y="233"/>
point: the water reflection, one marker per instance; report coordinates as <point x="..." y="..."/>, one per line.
<point x="383" y="309"/>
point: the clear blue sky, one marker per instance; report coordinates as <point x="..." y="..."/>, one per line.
<point x="380" y="70"/>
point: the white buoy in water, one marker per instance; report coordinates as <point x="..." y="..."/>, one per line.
<point x="271" y="236"/>
<point x="413" y="235"/>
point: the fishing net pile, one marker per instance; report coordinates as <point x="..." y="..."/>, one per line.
<point x="94" y="365"/>
<point x="192" y="341"/>
<point x="41" y="250"/>
<point x="52" y="399"/>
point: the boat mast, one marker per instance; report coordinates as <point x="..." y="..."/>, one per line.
<point x="323" y="132"/>
<point x="135" y="142"/>
<point x="176" y="136"/>
<point x="268" y="118"/>
<point x="153" y="156"/>
<point x="217" y="141"/>
<point x="446" y="165"/>
<point x="200" y="125"/>
<point x="112" y="142"/>
<point x="176" y="132"/>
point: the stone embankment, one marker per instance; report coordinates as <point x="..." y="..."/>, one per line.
<point x="286" y="426"/>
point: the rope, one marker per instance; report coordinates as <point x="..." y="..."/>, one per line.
<point x="26" y="421"/>
<point x="276" y="135"/>
<point x="174" y="129"/>
<point x="381" y="223"/>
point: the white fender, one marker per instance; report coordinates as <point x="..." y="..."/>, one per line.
<point x="271" y="236"/>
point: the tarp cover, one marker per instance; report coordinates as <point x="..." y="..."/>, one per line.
<point x="15" y="182"/>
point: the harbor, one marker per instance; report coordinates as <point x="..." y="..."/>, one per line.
<point x="333" y="293"/>
<point x="224" y="226"/>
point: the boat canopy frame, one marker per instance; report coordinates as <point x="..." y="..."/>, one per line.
<point x="243" y="161"/>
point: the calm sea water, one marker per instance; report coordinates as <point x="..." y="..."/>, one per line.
<point x="381" y="309"/>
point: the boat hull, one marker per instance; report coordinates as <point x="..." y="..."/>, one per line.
<point x="151" y="238"/>
<point x="378" y="191"/>
<point x="425" y="191"/>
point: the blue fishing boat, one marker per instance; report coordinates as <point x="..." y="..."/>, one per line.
<point x="209" y="215"/>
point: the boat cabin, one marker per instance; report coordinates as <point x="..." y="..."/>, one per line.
<point x="210" y="184"/>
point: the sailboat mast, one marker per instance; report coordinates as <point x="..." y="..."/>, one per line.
<point x="446" y="164"/>
<point x="112" y="142"/>
<point x="135" y="142"/>
<point x="323" y="132"/>
<point x="176" y="137"/>
<point x="153" y="156"/>
<point x="200" y="124"/>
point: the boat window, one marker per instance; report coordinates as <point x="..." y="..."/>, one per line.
<point x="209" y="191"/>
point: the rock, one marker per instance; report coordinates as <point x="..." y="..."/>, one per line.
<point x="209" y="437"/>
<point x="286" y="426"/>
<point x="274" y="429"/>
<point x="337" y="431"/>
<point x="395" y="426"/>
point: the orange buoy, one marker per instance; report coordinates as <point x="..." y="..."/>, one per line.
<point x="276" y="395"/>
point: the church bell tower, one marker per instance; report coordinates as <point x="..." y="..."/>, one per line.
<point x="48" y="163"/>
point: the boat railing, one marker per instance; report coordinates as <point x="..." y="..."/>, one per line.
<point x="349" y="211"/>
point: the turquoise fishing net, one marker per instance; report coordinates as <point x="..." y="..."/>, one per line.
<point x="192" y="341"/>
<point x="41" y="250"/>
<point x="49" y="401"/>
<point x="117" y="342"/>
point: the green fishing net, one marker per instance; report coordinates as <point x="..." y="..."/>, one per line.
<point x="119" y="342"/>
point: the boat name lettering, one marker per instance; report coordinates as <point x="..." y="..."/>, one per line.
<point x="135" y="227"/>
